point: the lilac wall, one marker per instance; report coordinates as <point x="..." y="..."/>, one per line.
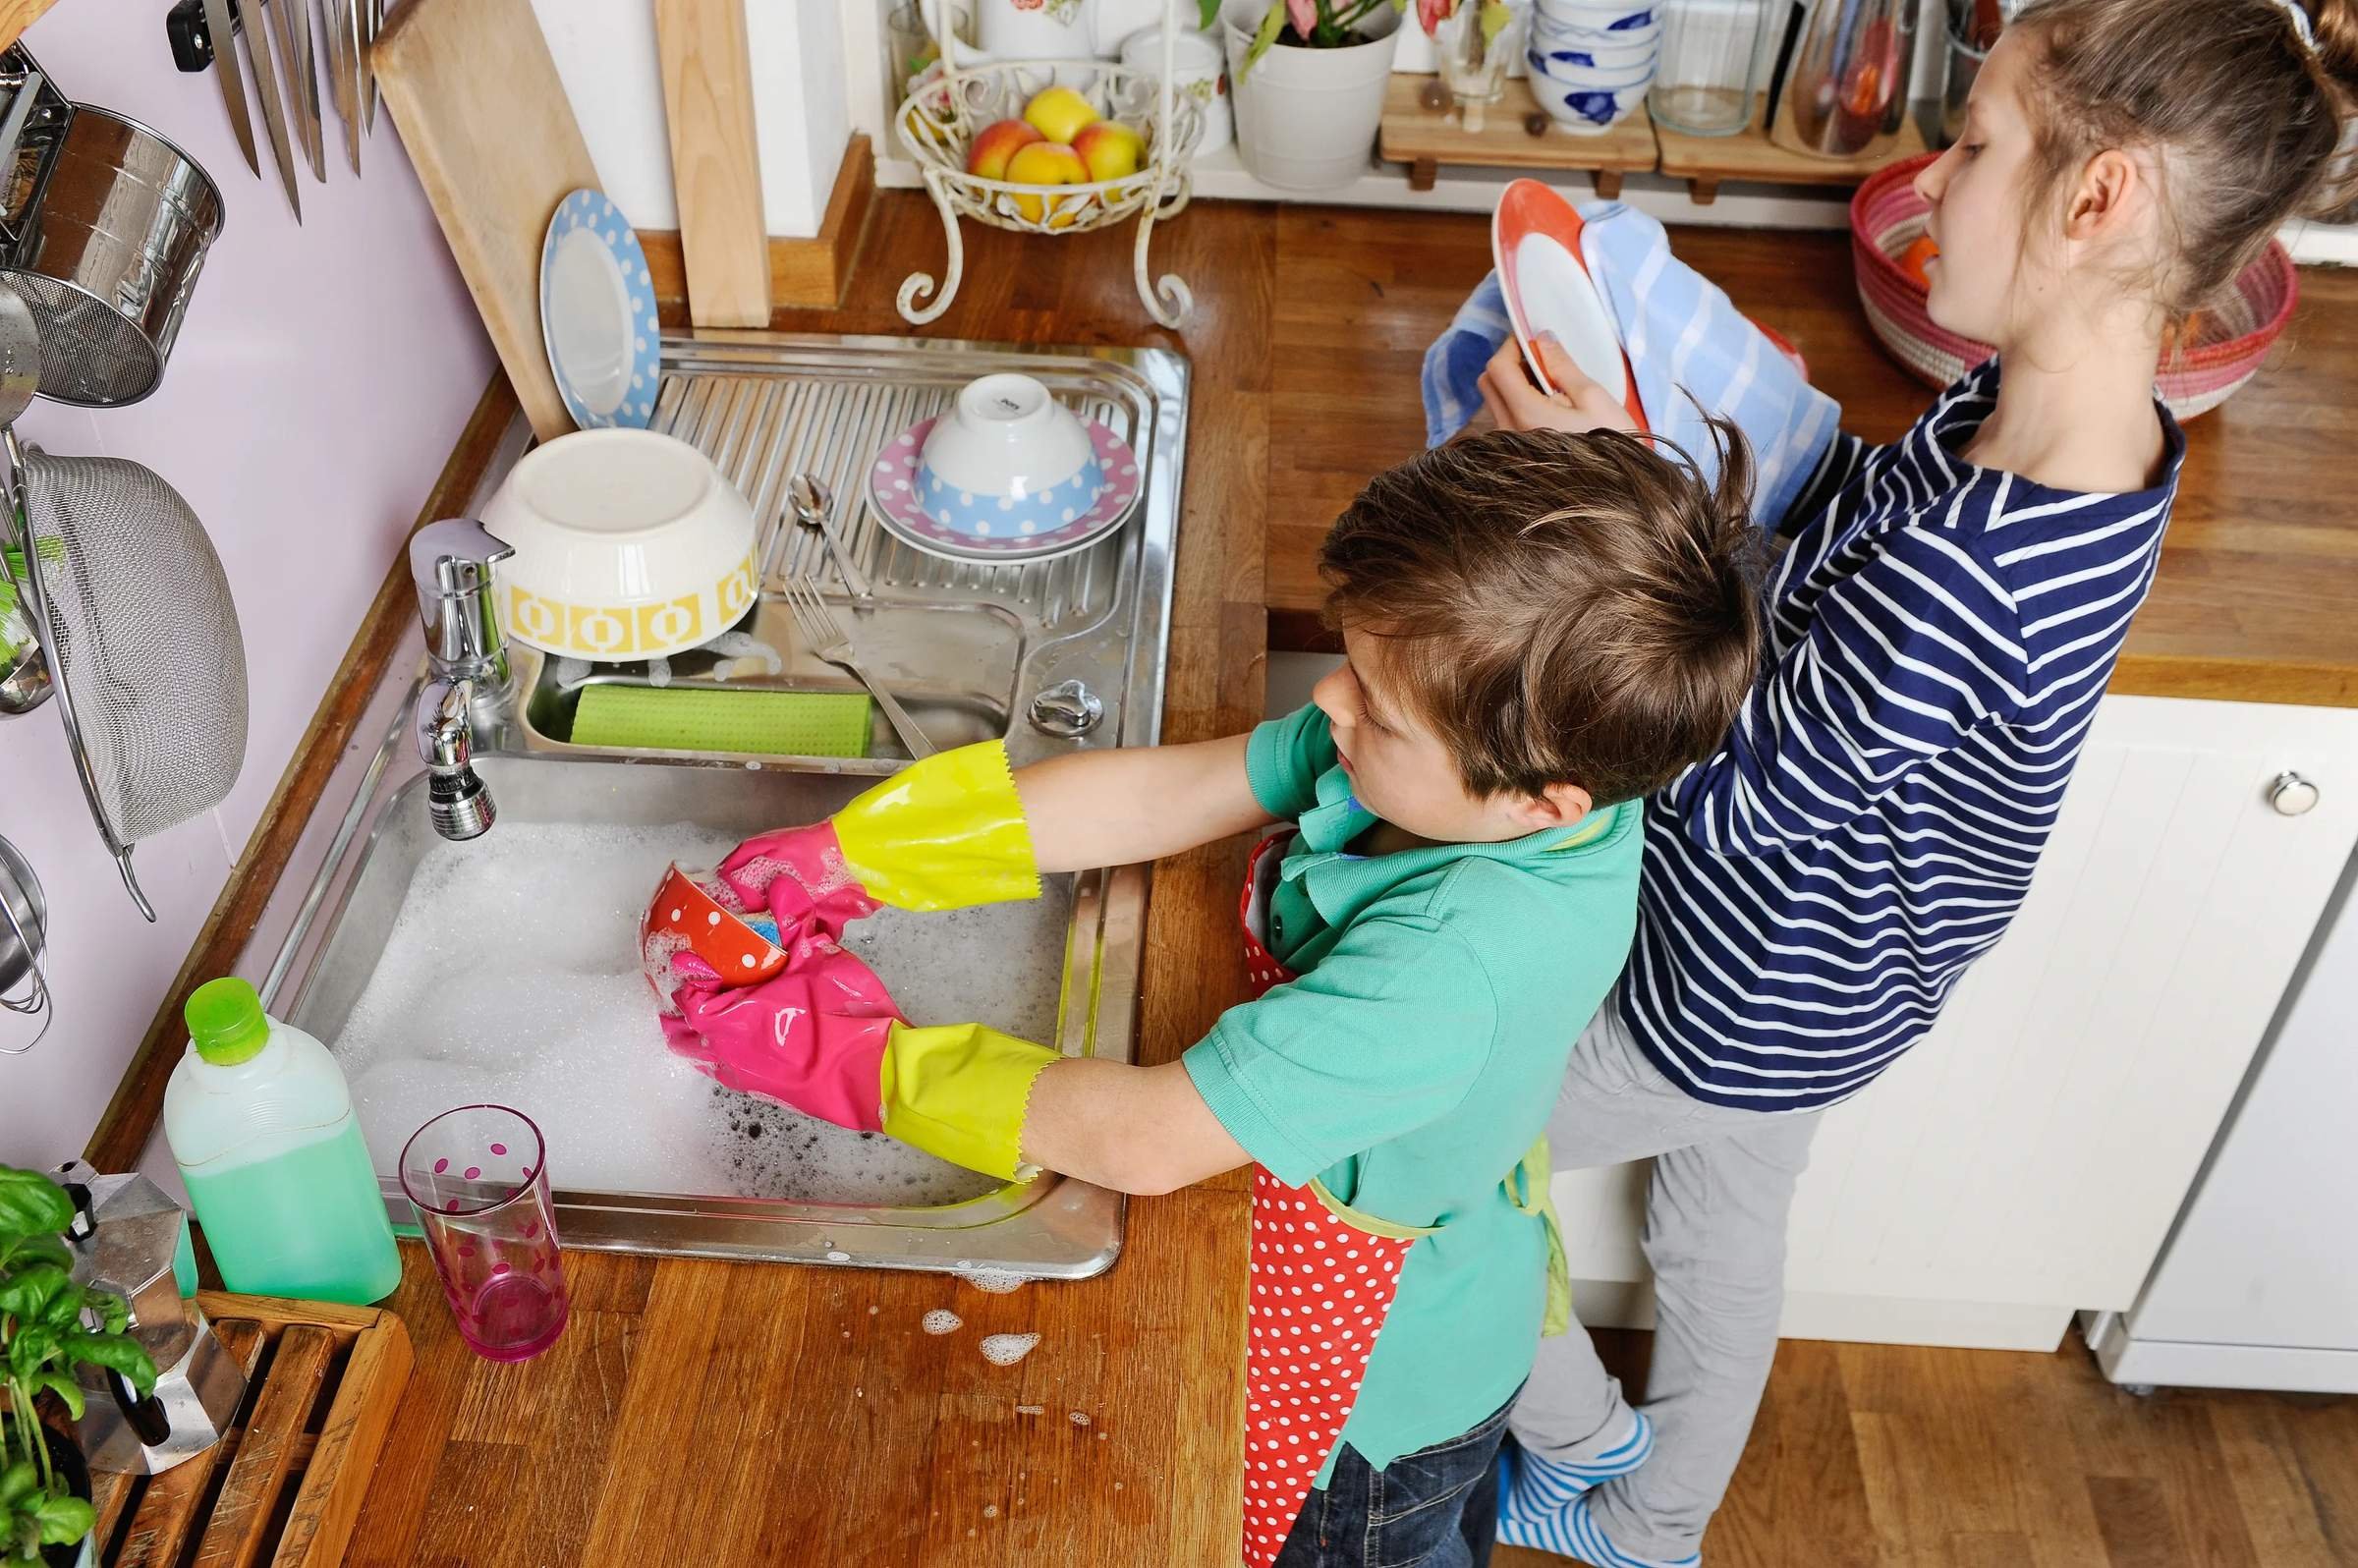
<point x="322" y="375"/>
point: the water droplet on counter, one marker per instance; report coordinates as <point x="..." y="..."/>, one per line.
<point x="1005" y="1349"/>
<point x="942" y="1322"/>
<point x="839" y="1257"/>
<point x="990" y="1510"/>
<point x="1080" y="1418"/>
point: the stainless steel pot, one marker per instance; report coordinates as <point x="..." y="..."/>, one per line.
<point x="103" y="229"/>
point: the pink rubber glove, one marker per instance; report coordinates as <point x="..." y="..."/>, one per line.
<point x="812" y="1036"/>
<point x="798" y="874"/>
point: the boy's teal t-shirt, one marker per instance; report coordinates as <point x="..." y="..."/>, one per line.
<point x="1416" y="1060"/>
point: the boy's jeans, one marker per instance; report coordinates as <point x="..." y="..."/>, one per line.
<point x="1434" y="1508"/>
<point x="1715" y="1214"/>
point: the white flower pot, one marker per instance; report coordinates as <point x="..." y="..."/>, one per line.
<point x="1306" y="119"/>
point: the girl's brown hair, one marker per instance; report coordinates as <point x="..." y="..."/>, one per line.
<point x="2243" y="112"/>
<point x="1558" y="609"/>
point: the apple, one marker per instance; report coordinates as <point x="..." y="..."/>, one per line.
<point x="994" y="144"/>
<point x="1058" y="113"/>
<point x="1110" y="149"/>
<point x="1044" y="163"/>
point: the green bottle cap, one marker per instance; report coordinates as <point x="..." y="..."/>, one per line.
<point x="226" y="1021"/>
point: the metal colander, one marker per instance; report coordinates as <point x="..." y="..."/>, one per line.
<point x="134" y="617"/>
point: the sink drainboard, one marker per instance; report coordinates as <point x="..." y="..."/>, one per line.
<point x="1030" y="654"/>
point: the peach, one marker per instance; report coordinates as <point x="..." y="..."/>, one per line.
<point x="994" y="144"/>
<point x="1044" y="163"/>
<point x="1058" y="113"/>
<point x="1110" y="149"/>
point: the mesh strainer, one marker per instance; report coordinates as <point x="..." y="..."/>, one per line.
<point x="134" y="617"/>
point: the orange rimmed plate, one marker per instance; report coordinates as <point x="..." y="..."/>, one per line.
<point x="1535" y="241"/>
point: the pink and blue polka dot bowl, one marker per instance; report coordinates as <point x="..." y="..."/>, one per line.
<point x="1006" y="462"/>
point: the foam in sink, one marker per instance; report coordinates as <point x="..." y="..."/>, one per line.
<point x="511" y="976"/>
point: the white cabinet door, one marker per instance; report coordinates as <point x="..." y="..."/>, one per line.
<point x="2026" y="1158"/>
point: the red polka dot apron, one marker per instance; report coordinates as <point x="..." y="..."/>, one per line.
<point x="1321" y="1288"/>
<point x="1325" y="1277"/>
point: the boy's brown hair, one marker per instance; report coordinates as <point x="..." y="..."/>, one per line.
<point x="1558" y="609"/>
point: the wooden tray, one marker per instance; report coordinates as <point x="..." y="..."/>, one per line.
<point x="1748" y="155"/>
<point x="1425" y="138"/>
<point x="283" y="1485"/>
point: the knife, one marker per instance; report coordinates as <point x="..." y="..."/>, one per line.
<point x="212" y="42"/>
<point x="302" y="81"/>
<point x="342" y="74"/>
<point x="265" y="87"/>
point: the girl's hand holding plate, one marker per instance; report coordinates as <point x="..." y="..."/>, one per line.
<point x="1516" y="404"/>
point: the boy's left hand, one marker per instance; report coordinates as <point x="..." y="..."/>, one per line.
<point x="1515" y="403"/>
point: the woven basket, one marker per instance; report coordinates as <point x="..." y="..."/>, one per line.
<point x="2232" y="337"/>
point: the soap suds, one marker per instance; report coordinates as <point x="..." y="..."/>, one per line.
<point x="511" y="976"/>
<point x="1080" y="1418"/>
<point x="1005" y="1349"/>
<point x="997" y="1282"/>
<point x="940" y="1321"/>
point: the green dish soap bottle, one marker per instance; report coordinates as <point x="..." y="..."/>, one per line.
<point x="261" y="1126"/>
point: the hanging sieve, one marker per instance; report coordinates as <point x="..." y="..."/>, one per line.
<point x="24" y="939"/>
<point x="134" y="615"/>
<point x="103" y="229"/>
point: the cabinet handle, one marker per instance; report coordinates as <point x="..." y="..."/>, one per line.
<point x="2292" y="795"/>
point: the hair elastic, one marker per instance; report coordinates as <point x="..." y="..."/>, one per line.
<point x="2301" y="24"/>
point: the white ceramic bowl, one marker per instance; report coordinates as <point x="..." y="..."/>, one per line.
<point x="629" y="545"/>
<point x="1587" y="65"/>
<point x="1590" y="110"/>
<point x="1613" y="16"/>
<point x="1006" y="453"/>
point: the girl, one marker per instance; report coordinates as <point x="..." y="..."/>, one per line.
<point x="1941" y="625"/>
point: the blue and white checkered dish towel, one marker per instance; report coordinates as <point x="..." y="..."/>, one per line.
<point x="1683" y="336"/>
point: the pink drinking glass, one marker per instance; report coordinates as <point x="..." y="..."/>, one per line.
<point x="478" y="1176"/>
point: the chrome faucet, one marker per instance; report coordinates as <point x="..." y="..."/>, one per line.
<point x="468" y="677"/>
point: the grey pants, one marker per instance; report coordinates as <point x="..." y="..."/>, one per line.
<point x="1716" y="1212"/>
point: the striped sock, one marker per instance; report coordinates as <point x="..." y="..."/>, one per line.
<point x="1542" y="1502"/>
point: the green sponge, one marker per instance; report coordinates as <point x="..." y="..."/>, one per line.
<point x="700" y="719"/>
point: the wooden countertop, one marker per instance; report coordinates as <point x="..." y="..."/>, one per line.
<point x="704" y="1412"/>
<point x="2257" y="600"/>
<point x="728" y="1413"/>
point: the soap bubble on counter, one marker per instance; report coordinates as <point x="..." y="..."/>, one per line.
<point x="511" y="976"/>
<point x="1005" y="1349"/>
<point x="995" y="1281"/>
<point x="942" y="1321"/>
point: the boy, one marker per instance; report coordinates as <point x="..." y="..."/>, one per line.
<point x="1540" y="630"/>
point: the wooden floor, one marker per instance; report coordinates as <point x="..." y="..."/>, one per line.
<point x="1883" y="1456"/>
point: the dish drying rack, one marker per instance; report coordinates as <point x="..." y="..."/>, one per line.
<point x="938" y="121"/>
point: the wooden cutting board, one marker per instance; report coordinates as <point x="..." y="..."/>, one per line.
<point x="487" y="121"/>
<point x="715" y="164"/>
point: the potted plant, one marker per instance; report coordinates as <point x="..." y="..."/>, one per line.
<point x="48" y="1324"/>
<point x="1309" y="78"/>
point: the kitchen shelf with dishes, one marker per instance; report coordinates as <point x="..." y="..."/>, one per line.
<point x="1517" y="136"/>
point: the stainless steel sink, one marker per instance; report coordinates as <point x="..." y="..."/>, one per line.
<point x="969" y="649"/>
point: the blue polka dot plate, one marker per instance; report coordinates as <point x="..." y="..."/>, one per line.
<point x="976" y="530"/>
<point x="598" y="314"/>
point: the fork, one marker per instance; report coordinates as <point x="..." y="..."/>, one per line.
<point x="827" y="641"/>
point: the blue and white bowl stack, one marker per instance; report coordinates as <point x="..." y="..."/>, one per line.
<point x="1591" y="60"/>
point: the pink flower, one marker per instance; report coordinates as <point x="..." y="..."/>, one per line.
<point x="1432" y="13"/>
<point x="1304" y="15"/>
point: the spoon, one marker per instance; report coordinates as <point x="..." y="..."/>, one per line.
<point x="814" y="510"/>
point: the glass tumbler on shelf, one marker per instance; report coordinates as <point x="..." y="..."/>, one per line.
<point x="1703" y="84"/>
<point x="478" y="1176"/>
<point x="1474" y="45"/>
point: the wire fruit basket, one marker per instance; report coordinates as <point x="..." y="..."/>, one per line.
<point x="944" y="113"/>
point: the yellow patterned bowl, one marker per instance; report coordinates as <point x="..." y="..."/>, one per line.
<point x="629" y="545"/>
